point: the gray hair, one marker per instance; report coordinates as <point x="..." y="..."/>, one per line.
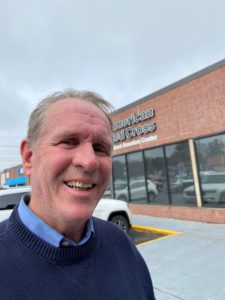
<point x="37" y="117"/>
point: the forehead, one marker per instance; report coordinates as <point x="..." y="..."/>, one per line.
<point x="80" y="113"/>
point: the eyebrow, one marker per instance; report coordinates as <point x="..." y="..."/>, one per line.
<point x="73" y="135"/>
<point x="66" y="134"/>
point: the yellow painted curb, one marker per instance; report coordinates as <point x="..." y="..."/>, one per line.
<point x="155" y="230"/>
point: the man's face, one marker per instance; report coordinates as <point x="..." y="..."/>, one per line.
<point x="71" y="164"/>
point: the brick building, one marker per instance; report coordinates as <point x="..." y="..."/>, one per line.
<point x="169" y="149"/>
<point x="13" y="177"/>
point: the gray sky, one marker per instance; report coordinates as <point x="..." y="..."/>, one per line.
<point x="122" y="49"/>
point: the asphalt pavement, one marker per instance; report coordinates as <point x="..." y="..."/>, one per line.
<point x="188" y="265"/>
<point x="140" y="236"/>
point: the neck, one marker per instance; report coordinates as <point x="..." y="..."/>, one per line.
<point x="73" y="231"/>
<point x="70" y="229"/>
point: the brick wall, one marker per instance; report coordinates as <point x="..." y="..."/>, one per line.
<point x="193" y="109"/>
<point x="203" y="214"/>
<point x="13" y="171"/>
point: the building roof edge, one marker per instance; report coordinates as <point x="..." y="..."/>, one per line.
<point x="178" y="83"/>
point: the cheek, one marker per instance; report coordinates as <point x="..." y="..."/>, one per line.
<point x="57" y="164"/>
<point x="50" y="162"/>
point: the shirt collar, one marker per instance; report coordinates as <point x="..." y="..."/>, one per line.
<point x="46" y="232"/>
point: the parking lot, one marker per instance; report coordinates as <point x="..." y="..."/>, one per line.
<point x="186" y="266"/>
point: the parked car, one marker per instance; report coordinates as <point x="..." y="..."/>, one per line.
<point x="2" y="187"/>
<point x="213" y="188"/>
<point x="138" y="190"/>
<point x="180" y="183"/>
<point x="11" y="196"/>
<point x="115" y="211"/>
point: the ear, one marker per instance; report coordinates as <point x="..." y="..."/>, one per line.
<point x="26" y="154"/>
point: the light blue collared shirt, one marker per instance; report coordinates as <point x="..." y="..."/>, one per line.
<point x="46" y="232"/>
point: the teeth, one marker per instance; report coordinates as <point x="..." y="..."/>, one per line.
<point x="81" y="185"/>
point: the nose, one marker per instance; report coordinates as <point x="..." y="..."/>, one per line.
<point x="86" y="158"/>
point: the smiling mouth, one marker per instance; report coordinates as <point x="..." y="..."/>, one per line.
<point x="79" y="185"/>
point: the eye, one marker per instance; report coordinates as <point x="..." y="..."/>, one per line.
<point x="68" y="143"/>
<point x="101" y="149"/>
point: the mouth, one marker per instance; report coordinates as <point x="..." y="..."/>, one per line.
<point x="81" y="186"/>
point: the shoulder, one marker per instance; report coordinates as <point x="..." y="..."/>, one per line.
<point x="112" y="236"/>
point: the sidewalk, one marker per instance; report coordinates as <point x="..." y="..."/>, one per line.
<point x="187" y="266"/>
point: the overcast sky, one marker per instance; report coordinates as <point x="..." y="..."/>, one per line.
<point x="122" y="49"/>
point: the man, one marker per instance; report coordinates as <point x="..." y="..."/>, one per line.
<point x="51" y="247"/>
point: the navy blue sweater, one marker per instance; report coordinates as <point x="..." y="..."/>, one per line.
<point x="107" y="267"/>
